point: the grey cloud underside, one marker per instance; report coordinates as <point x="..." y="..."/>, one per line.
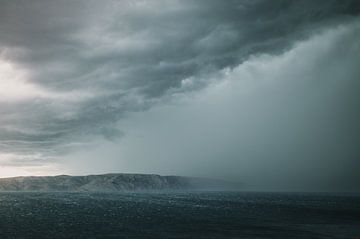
<point x="130" y="56"/>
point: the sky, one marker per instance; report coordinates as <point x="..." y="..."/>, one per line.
<point x="257" y="91"/>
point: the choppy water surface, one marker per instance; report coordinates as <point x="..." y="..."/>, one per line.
<point x="179" y="215"/>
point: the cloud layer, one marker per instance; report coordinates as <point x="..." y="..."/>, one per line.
<point x="70" y="70"/>
<point x="288" y="121"/>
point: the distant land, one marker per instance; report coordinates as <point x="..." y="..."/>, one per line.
<point x="109" y="183"/>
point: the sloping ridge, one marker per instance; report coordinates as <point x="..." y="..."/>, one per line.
<point x="106" y="182"/>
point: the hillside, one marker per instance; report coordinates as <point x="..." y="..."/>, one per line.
<point x="106" y="182"/>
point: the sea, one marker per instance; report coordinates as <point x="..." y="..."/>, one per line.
<point x="179" y="215"/>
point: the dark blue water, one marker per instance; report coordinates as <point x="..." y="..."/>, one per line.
<point x="179" y="215"/>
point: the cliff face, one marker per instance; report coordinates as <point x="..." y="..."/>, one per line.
<point x="105" y="182"/>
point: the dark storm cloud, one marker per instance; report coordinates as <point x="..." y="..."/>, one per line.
<point x="283" y="122"/>
<point x="107" y="58"/>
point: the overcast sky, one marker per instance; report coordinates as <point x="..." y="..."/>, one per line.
<point x="265" y="92"/>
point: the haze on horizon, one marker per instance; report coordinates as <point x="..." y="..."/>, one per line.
<point x="259" y="91"/>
